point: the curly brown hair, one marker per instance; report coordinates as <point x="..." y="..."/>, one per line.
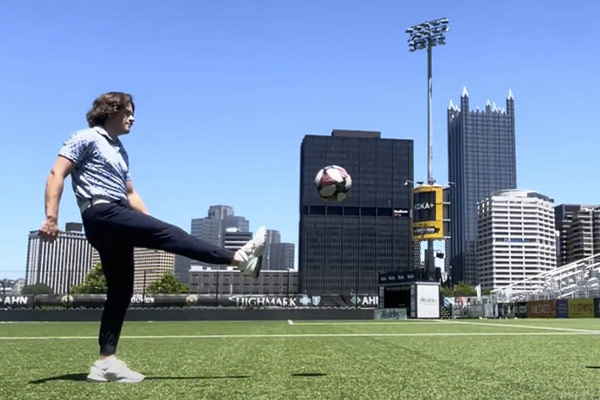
<point x="106" y="105"/>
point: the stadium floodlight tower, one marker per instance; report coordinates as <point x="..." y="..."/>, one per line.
<point x="426" y="36"/>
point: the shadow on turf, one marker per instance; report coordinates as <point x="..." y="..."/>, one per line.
<point x="309" y="374"/>
<point x="82" y="378"/>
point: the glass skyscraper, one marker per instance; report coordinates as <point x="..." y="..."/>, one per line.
<point x="481" y="160"/>
<point x="342" y="246"/>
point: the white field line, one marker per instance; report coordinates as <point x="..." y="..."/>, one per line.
<point x="405" y="323"/>
<point x="442" y="321"/>
<point x="308" y="335"/>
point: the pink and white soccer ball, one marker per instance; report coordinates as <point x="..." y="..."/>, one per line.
<point x="333" y="183"/>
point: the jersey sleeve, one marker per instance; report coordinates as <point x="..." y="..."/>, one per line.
<point x="76" y="147"/>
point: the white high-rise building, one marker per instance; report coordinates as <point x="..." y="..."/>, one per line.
<point x="149" y="265"/>
<point x="234" y="239"/>
<point x="61" y="264"/>
<point x="515" y="237"/>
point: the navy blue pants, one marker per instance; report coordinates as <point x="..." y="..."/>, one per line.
<point x="114" y="230"/>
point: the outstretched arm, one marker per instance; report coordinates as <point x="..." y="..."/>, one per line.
<point x="54" y="188"/>
<point x="135" y="201"/>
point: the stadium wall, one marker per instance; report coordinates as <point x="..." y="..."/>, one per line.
<point x="219" y="314"/>
<point x="560" y="308"/>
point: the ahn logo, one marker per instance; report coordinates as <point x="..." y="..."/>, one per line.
<point x="14" y="301"/>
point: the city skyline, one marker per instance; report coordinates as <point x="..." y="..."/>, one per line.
<point x="225" y="93"/>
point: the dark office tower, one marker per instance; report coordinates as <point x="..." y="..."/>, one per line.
<point x="481" y="160"/>
<point x="342" y="246"/>
<point x="578" y="228"/>
<point x="282" y="256"/>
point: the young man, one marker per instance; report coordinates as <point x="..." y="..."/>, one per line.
<point x="116" y="220"/>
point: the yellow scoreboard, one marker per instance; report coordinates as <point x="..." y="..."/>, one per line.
<point x="428" y="213"/>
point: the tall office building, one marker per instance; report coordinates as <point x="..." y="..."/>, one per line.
<point x="343" y="246"/>
<point x="481" y="160"/>
<point x="273" y="237"/>
<point x="578" y="228"/>
<point x="213" y="227"/>
<point x="516" y="237"/>
<point x="182" y="268"/>
<point x="281" y="256"/>
<point x="61" y="264"/>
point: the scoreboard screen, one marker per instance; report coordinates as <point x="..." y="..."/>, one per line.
<point x="396" y="297"/>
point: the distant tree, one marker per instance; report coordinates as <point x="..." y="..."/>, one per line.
<point x="94" y="282"/>
<point x="38" y="288"/>
<point x="167" y="284"/>
<point x="463" y="289"/>
<point x="447" y="291"/>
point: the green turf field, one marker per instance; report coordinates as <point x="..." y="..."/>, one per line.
<point x="467" y="359"/>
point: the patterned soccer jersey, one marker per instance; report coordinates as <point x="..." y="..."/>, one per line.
<point x="101" y="165"/>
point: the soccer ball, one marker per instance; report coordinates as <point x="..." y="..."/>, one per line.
<point x="333" y="183"/>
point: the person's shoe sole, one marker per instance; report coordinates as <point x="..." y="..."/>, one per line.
<point x="96" y="380"/>
<point x="256" y="272"/>
<point x="261" y="233"/>
<point x="91" y="380"/>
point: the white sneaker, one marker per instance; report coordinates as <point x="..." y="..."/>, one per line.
<point x="112" y="369"/>
<point x="250" y="255"/>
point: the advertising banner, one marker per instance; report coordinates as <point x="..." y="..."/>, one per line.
<point x="581" y="308"/>
<point x="597" y="308"/>
<point x="16" y="301"/>
<point x="541" y="309"/>
<point x="428" y="300"/>
<point x="562" y="309"/>
<point x="390" y="314"/>
<point x="192" y="300"/>
<point x="428" y="213"/>
<point x="521" y="310"/>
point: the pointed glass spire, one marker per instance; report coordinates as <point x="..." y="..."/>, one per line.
<point x="510" y="95"/>
<point x="465" y="93"/>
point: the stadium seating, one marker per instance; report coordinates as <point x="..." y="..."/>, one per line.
<point x="580" y="279"/>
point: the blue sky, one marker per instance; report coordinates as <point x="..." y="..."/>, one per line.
<point x="226" y="90"/>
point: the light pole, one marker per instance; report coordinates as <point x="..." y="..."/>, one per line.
<point x="289" y="276"/>
<point x="426" y="36"/>
<point x="411" y="205"/>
